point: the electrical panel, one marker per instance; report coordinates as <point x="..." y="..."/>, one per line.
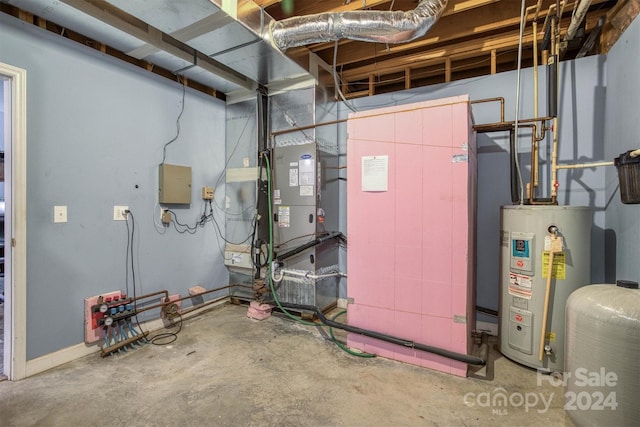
<point x="175" y="184"/>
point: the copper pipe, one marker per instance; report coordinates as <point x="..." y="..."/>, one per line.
<point x="499" y="98"/>
<point x="488" y="127"/>
<point x="153" y="294"/>
<point x="299" y="128"/>
<point x="197" y="307"/>
<point x="167" y="302"/>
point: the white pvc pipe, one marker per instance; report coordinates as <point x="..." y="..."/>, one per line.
<point x="305" y="274"/>
<point x="635" y="153"/>
<point x="584" y="165"/>
<point x="578" y="15"/>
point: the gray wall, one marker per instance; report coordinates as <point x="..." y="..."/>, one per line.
<point x="96" y="127"/>
<point x="582" y="99"/>
<point x="622" y="132"/>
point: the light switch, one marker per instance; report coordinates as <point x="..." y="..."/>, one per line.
<point x="59" y="214"/>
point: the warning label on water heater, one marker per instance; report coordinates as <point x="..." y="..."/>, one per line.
<point x="559" y="265"/>
<point x="520" y="285"/>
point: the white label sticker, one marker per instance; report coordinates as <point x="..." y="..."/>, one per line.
<point x="520" y="285"/>
<point x="284" y="217"/>
<point x="375" y="173"/>
<point x="307" y="169"/>
<point x="277" y="201"/>
<point x="306" y="190"/>
<point x="293" y="177"/>
<point x="245" y="162"/>
<point x="293" y="164"/>
<point x="276" y="194"/>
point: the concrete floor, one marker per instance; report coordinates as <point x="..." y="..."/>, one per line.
<point x="228" y="370"/>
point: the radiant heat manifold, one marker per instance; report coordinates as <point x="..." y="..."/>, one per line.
<point x="114" y="314"/>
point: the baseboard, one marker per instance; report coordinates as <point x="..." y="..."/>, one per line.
<point x="69" y="354"/>
<point x="491" y="328"/>
<point x="60" y="357"/>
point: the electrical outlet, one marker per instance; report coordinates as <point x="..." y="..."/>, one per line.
<point x="207" y="193"/>
<point x="59" y="214"/>
<point x="119" y="213"/>
<point x="165" y="217"/>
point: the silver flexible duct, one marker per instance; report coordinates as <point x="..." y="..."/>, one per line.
<point x="363" y="25"/>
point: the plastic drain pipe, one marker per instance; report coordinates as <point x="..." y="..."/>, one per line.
<point x="465" y="358"/>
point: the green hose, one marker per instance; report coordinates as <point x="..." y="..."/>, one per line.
<point x="344" y="347"/>
<point x="273" y="291"/>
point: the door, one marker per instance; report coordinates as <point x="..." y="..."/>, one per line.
<point x="13" y="81"/>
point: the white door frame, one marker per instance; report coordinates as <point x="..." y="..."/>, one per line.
<point x="15" y="285"/>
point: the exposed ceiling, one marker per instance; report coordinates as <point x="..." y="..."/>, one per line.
<point x="219" y="48"/>
<point x="473" y="37"/>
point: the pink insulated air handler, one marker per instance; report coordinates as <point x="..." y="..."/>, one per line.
<point x="411" y="221"/>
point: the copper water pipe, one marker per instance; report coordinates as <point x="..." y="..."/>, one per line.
<point x="299" y="128"/>
<point x="168" y="302"/>
<point x="499" y="98"/>
<point x="153" y="294"/>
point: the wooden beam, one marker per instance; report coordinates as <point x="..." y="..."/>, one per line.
<point x="447" y="69"/>
<point x="618" y="19"/>
<point x="25" y="16"/>
<point x="478" y="23"/>
<point x="109" y="14"/>
<point x="358" y="94"/>
<point x="407" y="78"/>
<point x="372" y="84"/>
<point x="42" y="23"/>
<point x="494" y="64"/>
<point x="86" y="41"/>
<point x="467" y="49"/>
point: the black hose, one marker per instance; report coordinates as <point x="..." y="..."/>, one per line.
<point x="304" y="247"/>
<point x="513" y="169"/>
<point x="470" y="360"/>
<point x="552" y="87"/>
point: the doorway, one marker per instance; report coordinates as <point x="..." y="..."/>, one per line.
<point x="2" y="209"/>
<point x="12" y="222"/>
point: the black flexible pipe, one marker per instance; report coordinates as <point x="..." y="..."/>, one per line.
<point x="513" y="170"/>
<point x="552" y="87"/>
<point x="317" y="241"/>
<point x="471" y="360"/>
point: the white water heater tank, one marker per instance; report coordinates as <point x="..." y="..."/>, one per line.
<point x="524" y="268"/>
<point x="602" y="378"/>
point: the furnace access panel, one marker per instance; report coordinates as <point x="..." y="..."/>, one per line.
<point x="305" y="202"/>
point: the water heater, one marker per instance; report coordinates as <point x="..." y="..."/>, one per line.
<point x="528" y="300"/>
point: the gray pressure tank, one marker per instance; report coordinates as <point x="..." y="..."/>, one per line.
<point x="524" y="267"/>
<point x="602" y="379"/>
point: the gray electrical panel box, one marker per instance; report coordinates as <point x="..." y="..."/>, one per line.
<point x="174" y="184"/>
<point x="305" y="204"/>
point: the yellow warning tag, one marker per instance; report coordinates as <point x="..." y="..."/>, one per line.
<point x="559" y="265"/>
<point x="550" y="336"/>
